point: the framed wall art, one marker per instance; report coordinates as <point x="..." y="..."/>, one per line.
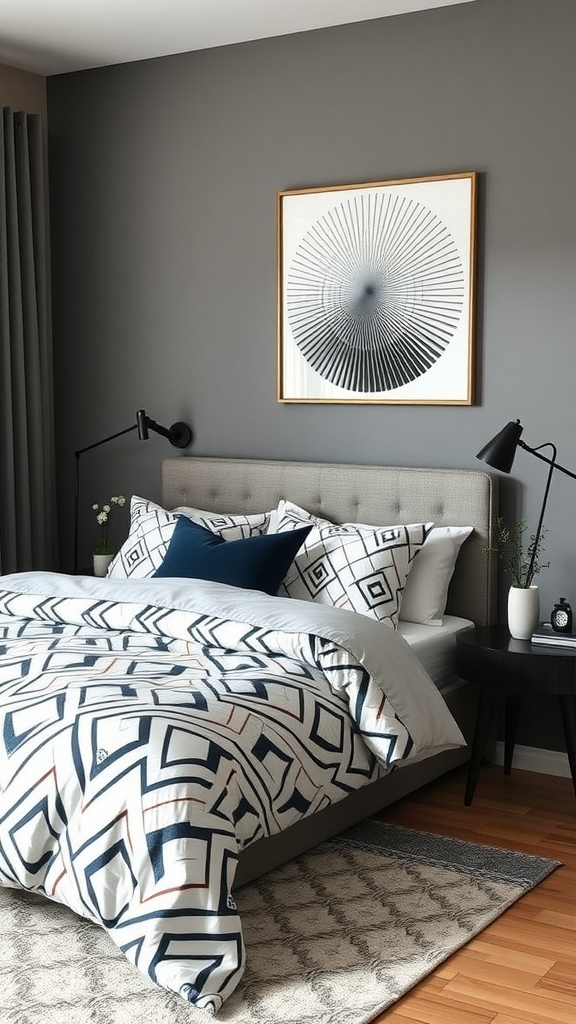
<point x="376" y="292"/>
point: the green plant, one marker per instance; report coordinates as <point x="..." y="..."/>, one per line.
<point x="103" y="513"/>
<point x="520" y="560"/>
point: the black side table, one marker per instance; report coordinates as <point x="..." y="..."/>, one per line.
<point x="504" y="667"/>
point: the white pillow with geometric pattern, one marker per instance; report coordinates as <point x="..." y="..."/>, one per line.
<point x="358" y="567"/>
<point x="151" y="529"/>
<point x="228" y="526"/>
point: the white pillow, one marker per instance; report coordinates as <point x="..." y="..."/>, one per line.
<point x="151" y="529"/>
<point x="361" y="568"/>
<point x="426" y="591"/>
<point x="228" y="526"/>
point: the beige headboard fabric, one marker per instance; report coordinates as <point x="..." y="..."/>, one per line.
<point x="378" y="495"/>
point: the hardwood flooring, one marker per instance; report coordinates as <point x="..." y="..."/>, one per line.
<point x="522" y="968"/>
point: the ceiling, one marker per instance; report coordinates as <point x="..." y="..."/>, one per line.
<point x="50" y="37"/>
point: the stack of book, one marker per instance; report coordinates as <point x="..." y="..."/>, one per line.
<point x="548" y="636"/>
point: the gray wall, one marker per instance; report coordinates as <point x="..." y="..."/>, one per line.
<point x="22" y="90"/>
<point x="164" y="176"/>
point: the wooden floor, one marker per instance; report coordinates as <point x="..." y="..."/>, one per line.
<point x="522" y="968"/>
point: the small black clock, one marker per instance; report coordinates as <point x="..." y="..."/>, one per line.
<point x="561" y="617"/>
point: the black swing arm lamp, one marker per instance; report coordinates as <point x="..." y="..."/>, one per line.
<point x="500" y="452"/>
<point x="179" y="435"/>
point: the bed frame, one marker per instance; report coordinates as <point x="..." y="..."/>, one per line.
<point x="377" y="495"/>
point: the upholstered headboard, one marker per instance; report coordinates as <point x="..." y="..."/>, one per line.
<point x="378" y="495"/>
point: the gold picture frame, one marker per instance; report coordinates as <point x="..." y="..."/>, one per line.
<point x="376" y="292"/>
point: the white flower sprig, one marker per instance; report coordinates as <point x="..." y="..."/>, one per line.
<point x="103" y="513"/>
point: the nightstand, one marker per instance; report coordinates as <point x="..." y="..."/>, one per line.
<point x="503" y="667"/>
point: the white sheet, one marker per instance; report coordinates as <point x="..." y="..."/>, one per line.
<point x="435" y="647"/>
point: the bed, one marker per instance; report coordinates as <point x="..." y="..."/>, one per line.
<point x="372" y="494"/>
<point x="166" y="739"/>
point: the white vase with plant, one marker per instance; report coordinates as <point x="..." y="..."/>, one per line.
<point x="103" y="552"/>
<point x="521" y="562"/>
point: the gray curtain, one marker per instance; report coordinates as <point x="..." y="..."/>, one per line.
<point x="27" y="477"/>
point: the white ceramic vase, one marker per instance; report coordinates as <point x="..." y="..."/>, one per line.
<point x="523" y="611"/>
<point x="101" y="563"/>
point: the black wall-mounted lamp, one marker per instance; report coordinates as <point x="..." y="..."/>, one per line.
<point x="500" y="452"/>
<point x="179" y="435"/>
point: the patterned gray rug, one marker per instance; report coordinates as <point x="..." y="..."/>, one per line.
<point x="334" y="937"/>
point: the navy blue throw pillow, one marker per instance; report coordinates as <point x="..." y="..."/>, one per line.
<point x="254" y="563"/>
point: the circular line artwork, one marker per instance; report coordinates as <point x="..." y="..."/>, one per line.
<point x="375" y="292"/>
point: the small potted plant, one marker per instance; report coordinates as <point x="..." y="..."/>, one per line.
<point x="103" y="552"/>
<point x="521" y="563"/>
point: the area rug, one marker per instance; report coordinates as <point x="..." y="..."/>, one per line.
<point x="333" y="937"/>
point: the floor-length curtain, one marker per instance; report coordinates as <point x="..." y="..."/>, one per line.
<point x="27" y="478"/>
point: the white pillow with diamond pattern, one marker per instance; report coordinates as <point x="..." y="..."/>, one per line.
<point x="358" y="567"/>
<point x="151" y="529"/>
<point x="229" y="526"/>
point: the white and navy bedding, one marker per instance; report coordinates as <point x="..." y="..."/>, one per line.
<point x="152" y="729"/>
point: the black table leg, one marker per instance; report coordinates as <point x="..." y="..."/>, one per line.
<point x="568" y="710"/>
<point x="513" y="703"/>
<point x="484" y="717"/>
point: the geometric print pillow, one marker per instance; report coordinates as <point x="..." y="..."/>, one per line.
<point x="151" y="529"/>
<point x="361" y="568"/>
<point x="229" y="527"/>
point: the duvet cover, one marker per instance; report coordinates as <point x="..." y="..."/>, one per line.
<point x="152" y="729"/>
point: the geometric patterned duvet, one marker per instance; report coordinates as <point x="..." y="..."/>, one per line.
<point x="150" y="730"/>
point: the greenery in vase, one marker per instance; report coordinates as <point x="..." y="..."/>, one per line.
<point x="516" y="555"/>
<point x="103" y="513"/>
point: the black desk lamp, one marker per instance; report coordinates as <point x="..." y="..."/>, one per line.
<point x="179" y="435"/>
<point x="499" y="453"/>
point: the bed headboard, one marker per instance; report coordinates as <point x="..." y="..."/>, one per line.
<point x="378" y="495"/>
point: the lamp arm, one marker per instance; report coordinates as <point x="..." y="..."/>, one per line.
<point x="104" y="440"/>
<point x="179" y="435"/>
<point x="550" y="462"/>
<point x="164" y="431"/>
<point x="537" y="535"/>
<point x="553" y="465"/>
<point x="77" y="454"/>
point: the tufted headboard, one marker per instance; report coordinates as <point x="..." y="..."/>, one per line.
<point x="378" y="495"/>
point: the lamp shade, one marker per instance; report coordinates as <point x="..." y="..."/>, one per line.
<point x="500" y="451"/>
